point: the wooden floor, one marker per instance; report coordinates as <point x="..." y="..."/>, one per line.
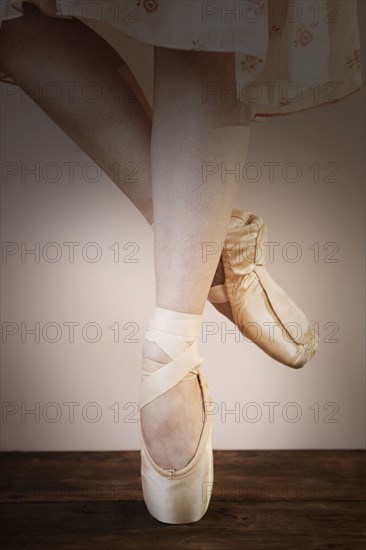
<point x="261" y="500"/>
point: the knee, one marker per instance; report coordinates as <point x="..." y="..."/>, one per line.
<point x="15" y="36"/>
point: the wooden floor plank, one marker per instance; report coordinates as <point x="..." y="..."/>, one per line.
<point x="239" y="475"/>
<point x="107" y="524"/>
<point x="285" y="500"/>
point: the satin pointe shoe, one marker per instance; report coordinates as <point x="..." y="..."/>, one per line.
<point x="176" y="496"/>
<point x="262" y="310"/>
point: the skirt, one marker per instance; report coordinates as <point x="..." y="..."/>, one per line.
<point x="290" y="55"/>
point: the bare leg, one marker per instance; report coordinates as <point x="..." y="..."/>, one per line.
<point x="114" y="131"/>
<point x="188" y="212"/>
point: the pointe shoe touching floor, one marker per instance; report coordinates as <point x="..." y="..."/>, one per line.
<point x="261" y="309"/>
<point x="176" y="495"/>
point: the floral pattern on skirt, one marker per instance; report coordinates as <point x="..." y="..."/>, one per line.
<point x="290" y="55"/>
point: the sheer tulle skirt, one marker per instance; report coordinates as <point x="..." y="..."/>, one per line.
<point x="290" y="55"/>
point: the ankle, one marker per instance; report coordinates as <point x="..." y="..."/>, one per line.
<point x="184" y="327"/>
<point x="151" y="350"/>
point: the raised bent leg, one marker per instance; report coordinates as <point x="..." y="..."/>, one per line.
<point x="115" y="129"/>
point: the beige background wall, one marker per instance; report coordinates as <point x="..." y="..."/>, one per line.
<point x="84" y="394"/>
